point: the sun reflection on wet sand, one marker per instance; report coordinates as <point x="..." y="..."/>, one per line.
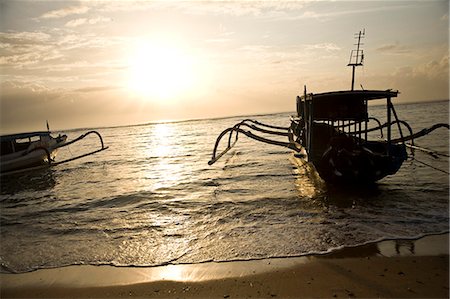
<point x="98" y="276"/>
<point x="173" y="272"/>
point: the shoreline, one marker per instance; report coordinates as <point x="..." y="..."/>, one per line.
<point x="414" y="268"/>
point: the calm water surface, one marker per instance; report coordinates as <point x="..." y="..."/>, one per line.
<point x="152" y="199"/>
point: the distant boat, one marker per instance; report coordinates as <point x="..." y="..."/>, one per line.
<point x="26" y="151"/>
<point x="330" y="131"/>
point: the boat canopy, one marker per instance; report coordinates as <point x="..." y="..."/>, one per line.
<point x="13" y="137"/>
<point x="355" y="94"/>
<point x="342" y="105"/>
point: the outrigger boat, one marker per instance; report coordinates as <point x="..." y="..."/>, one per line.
<point x="27" y="151"/>
<point x="331" y="132"/>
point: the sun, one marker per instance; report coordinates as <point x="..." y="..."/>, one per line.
<point x="160" y="70"/>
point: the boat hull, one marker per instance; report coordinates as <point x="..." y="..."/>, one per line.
<point x="342" y="159"/>
<point x="38" y="153"/>
<point x="359" y="166"/>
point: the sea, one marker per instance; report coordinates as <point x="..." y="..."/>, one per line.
<point x="151" y="198"/>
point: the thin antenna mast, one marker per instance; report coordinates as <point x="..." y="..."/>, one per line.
<point x="357" y="56"/>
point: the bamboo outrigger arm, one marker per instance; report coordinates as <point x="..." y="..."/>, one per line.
<point x="263" y="124"/>
<point x="421" y="133"/>
<point x="103" y="147"/>
<point x="237" y="130"/>
<point x="264" y="130"/>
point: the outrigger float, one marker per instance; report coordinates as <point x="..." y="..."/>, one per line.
<point x="35" y="150"/>
<point x="330" y="131"/>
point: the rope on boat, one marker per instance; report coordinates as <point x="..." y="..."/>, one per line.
<point x="431" y="166"/>
<point x="432" y="153"/>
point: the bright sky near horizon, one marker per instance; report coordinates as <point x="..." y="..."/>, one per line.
<point x="103" y="63"/>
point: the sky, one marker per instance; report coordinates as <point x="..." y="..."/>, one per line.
<point x="106" y="63"/>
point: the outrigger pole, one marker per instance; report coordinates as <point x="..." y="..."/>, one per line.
<point x="51" y="162"/>
<point x="257" y="126"/>
<point x="84" y="155"/>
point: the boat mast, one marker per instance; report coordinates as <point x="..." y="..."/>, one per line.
<point x="356" y="56"/>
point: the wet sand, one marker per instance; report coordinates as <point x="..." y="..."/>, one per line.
<point x="388" y="269"/>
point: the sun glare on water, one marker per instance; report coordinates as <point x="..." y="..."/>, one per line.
<point x="161" y="71"/>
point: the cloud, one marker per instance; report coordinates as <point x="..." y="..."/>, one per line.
<point x="233" y="8"/>
<point x="346" y="8"/>
<point x="64" y="12"/>
<point x="261" y="9"/>
<point x="24" y="48"/>
<point x="428" y="80"/>
<point x="96" y="89"/>
<point x="50" y="53"/>
<point x="25" y="37"/>
<point x="394" y="49"/>
<point x="76" y="22"/>
<point x="126" y="6"/>
<point x="84" y="21"/>
<point x="17" y="87"/>
<point x="25" y="106"/>
<point x="328" y="47"/>
<point x="21" y="102"/>
<point x="434" y="69"/>
<point x="20" y="60"/>
<point x="218" y="40"/>
<point x="19" y="49"/>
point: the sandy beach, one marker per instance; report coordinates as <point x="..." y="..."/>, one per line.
<point x="387" y="269"/>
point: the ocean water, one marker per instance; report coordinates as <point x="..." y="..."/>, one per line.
<point x="152" y="199"/>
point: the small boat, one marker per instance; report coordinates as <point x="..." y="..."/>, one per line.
<point x="332" y="127"/>
<point x="331" y="132"/>
<point x="26" y="151"/>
